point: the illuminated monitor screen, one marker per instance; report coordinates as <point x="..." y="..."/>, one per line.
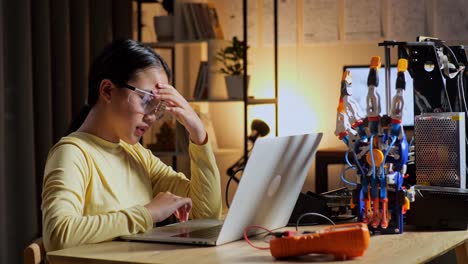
<point x="359" y="86"/>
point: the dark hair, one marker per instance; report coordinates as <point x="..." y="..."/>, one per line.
<point x="118" y="62"/>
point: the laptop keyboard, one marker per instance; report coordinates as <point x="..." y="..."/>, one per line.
<point x="210" y="232"/>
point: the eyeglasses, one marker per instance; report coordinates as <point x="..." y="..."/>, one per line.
<point x="146" y="102"/>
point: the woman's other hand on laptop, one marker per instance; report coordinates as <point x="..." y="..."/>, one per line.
<point x="164" y="204"/>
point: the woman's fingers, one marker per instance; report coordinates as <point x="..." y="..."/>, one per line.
<point x="182" y="212"/>
<point x="165" y="90"/>
<point x="165" y="204"/>
<point x="172" y="99"/>
<point x="165" y="87"/>
<point x="183" y="112"/>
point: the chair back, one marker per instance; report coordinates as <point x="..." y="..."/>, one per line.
<point x="35" y="253"/>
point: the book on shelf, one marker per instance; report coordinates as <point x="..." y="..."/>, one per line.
<point x="205" y="82"/>
<point x="196" y="20"/>
<point x="200" y="21"/>
<point x="215" y="23"/>
<point x="208" y="32"/>
<point x="201" y="85"/>
<point x="197" y="83"/>
<point x="188" y="21"/>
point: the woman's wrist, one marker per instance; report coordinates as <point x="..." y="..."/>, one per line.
<point x="199" y="138"/>
<point x="151" y="212"/>
<point x="197" y="133"/>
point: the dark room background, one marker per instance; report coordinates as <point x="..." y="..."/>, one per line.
<point x="46" y="48"/>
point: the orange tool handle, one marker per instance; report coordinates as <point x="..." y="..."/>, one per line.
<point x="343" y="241"/>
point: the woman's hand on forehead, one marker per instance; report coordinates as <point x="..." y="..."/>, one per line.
<point x="162" y="86"/>
<point x="178" y="105"/>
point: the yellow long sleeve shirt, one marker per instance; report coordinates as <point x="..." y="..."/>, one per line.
<point x="95" y="190"/>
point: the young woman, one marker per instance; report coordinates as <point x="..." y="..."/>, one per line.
<point x="99" y="182"/>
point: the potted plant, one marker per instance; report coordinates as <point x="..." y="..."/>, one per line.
<point x="232" y="59"/>
<point x="164" y="25"/>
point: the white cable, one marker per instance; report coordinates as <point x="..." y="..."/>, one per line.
<point x="462" y="89"/>
<point x="316" y="214"/>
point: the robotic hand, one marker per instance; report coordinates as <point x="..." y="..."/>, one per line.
<point x="382" y="159"/>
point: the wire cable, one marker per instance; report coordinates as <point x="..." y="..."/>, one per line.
<point x="458" y="73"/>
<point x="316" y="214"/>
<point x="250" y="242"/>
<point x="451" y="53"/>
<point x="347" y="160"/>
<point x="371" y="153"/>
<point x="351" y="166"/>
<point x="394" y="138"/>
<point x="411" y="143"/>
<point x="382" y="168"/>
<point x="343" y="177"/>
<point x="462" y="91"/>
<point x="226" y="193"/>
<point x="356" y="160"/>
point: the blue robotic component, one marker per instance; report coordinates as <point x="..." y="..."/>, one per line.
<point x="381" y="160"/>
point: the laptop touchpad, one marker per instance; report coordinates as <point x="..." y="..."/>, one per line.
<point x="209" y="232"/>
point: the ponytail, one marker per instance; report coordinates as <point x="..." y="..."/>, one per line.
<point x="79" y="119"/>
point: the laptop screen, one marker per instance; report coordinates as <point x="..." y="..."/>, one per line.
<point x="270" y="185"/>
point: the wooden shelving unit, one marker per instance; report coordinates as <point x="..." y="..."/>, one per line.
<point x="246" y="101"/>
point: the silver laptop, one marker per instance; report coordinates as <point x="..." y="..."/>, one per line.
<point x="266" y="195"/>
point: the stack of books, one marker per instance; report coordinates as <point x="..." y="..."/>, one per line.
<point x="201" y="21"/>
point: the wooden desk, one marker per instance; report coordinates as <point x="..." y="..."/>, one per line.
<point x="323" y="158"/>
<point x="410" y="247"/>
